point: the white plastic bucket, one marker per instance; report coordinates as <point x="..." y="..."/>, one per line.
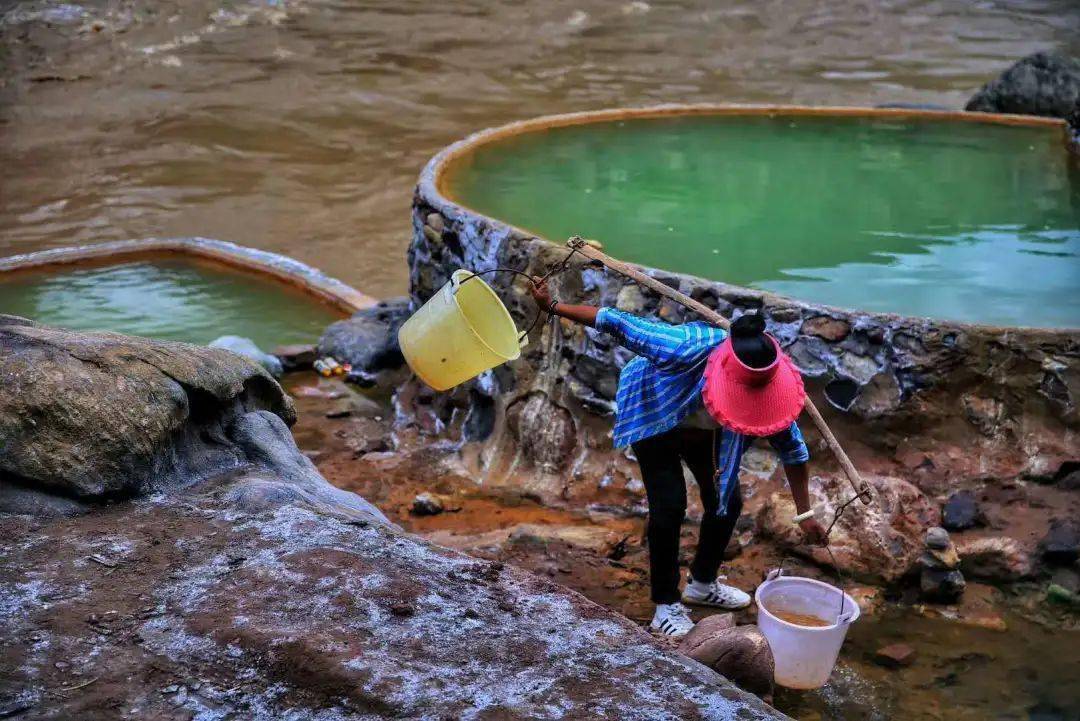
<point x="804" y="656"/>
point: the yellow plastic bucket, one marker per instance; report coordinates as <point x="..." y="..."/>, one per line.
<point x="462" y="331"/>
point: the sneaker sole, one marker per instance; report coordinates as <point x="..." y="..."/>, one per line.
<point x="694" y="602"/>
<point x="660" y="634"/>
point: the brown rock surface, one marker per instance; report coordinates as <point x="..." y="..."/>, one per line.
<point x="881" y="541"/>
<point x="995" y="559"/>
<point x="896" y="655"/>
<point x="92" y="415"/>
<point x="827" y="327"/>
<point x="740" y="653"/>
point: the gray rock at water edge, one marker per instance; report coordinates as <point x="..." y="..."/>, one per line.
<point x="1061" y="544"/>
<point x="937" y="538"/>
<point x="369" y="339"/>
<point x="960" y="512"/>
<point x="246" y="347"/>
<point x="1044" y="84"/>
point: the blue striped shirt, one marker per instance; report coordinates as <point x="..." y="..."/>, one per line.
<point x="662" y="386"/>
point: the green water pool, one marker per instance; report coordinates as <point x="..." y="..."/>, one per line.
<point x="965" y="221"/>
<point x="168" y="299"/>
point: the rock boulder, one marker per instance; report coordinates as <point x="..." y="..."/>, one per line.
<point x="1041" y="84"/>
<point x="263" y="592"/>
<point x="961" y="511"/>
<point x="368" y="340"/>
<point x="740" y="653"/>
<point x="881" y="541"/>
<point x="1002" y="560"/>
<point x="96" y="416"/>
<point x="248" y="349"/>
<point x="1061" y="544"/>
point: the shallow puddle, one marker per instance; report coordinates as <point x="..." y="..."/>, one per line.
<point x="1028" y="673"/>
<point x="167" y="299"/>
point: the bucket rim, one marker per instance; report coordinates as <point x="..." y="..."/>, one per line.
<point x="474" y="278"/>
<point x="810" y="629"/>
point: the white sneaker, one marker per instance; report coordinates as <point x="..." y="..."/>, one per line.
<point x="671" y="619"/>
<point x="715" y="594"/>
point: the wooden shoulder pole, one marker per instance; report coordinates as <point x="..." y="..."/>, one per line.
<point x="578" y="244"/>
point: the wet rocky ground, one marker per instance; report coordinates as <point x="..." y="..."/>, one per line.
<point x="167" y="552"/>
<point x="984" y="658"/>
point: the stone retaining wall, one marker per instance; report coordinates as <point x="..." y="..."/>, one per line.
<point x="941" y="403"/>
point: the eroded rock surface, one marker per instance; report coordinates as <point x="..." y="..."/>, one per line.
<point x="882" y="541"/>
<point x="194" y="607"/>
<point x="95" y="416"/>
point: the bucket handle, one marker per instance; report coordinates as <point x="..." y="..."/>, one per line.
<point x="523" y="336"/>
<point x="775" y="574"/>
<point x="844" y="617"/>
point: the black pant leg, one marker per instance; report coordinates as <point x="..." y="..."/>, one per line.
<point x="662" y="474"/>
<point x="699" y="453"/>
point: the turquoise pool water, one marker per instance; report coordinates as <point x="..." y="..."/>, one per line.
<point x="169" y="300"/>
<point x="964" y="221"/>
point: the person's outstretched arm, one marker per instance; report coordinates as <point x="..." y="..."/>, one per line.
<point x="791" y="448"/>
<point x="584" y="314"/>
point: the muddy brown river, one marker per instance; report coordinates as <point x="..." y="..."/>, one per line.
<point x="300" y="126"/>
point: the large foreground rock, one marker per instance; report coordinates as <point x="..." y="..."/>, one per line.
<point x="262" y="592"/>
<point x="193" y="609"/>
<point x="881" y="541"/>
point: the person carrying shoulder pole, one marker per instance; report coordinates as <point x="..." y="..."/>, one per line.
<point x="697" y="395"/>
